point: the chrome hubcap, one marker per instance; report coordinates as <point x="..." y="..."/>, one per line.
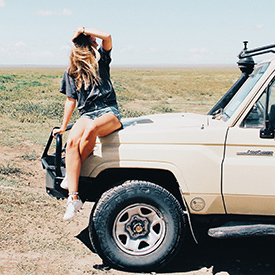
<point x="139" y="229"/>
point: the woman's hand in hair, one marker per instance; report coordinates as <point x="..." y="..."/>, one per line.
<point x="77" y="32"/>
<point x="95" y="33"/>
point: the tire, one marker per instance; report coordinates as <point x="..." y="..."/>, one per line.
<point x="92" y="235"/>
<point x="137" y="226"/>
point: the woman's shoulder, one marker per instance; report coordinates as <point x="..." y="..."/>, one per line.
<point x="67" y="74"/>
<point x="66" y="71"/>
<point x="67" y="79"/>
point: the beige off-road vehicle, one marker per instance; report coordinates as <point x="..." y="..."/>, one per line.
<point x="151" y="180"/>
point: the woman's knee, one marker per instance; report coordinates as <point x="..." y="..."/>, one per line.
<point x="72" y="143"/>
<point x="91" y="130"/>
<point x="76" y="134"/>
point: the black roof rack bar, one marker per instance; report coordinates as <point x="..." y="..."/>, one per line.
<point x="245" y="55"/>
<point x="257" y="51"/>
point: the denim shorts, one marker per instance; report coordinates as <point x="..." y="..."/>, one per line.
<point x="105" y="110"/>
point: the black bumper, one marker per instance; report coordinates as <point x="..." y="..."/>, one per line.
<point x="54" y="164"/>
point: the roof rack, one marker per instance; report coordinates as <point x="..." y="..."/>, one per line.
<point x="245" y="53"/>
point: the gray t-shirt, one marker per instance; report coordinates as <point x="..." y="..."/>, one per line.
<point x="96" y="96"/>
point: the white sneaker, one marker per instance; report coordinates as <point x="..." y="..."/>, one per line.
<point x="73" y="206"/>
<point x="64" y="183"/>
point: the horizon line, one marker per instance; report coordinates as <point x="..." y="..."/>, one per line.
<point x="210" y="65"/>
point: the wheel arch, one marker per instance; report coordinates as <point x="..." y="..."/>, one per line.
<point x="115" y="176"/>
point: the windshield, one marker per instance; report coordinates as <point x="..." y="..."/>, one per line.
<point x="235" y="102"/>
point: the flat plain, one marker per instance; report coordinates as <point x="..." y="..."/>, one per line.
<point x="33" y="237"/>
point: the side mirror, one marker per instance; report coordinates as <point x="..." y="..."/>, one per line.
<point x="268" y="131"/>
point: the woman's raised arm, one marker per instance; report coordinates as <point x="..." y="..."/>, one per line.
<point x="106" y="37"/>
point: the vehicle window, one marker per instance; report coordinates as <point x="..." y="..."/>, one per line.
<point x="271" y="95"/>
<point x="256" y="117"/>
<point x="232" y="106"/>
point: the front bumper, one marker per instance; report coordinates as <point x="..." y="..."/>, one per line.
<point x="54" y="164"/>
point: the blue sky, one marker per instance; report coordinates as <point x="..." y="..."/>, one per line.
<point x="144" y="32"/>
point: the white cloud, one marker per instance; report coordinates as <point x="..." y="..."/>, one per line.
<point x="200" y="54"/>
<point x="20" y="44"/>
<point x="65" y="47"/>
<point x="45" y="13"/>
<point x="20" y="53"/>
<point x="42" y="54"/>
<point x="199" y="51"/>
<point x="153" y="50"/>
<point x="2" y="3"/>
<point x="64" y="12"/>
<point x="132" y="49"/>
<point x="256" y="27"/>
<point x="127" y="49"/>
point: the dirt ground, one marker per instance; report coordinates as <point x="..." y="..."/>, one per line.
<point x="35" y="240"/>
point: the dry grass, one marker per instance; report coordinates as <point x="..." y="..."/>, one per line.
<point x="31" y="104"/>
<point x="170" y="90"/>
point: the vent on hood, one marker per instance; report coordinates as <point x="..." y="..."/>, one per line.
<point x="135" y="121"/>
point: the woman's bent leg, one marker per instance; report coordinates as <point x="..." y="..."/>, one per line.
<point x="101" y="126"/>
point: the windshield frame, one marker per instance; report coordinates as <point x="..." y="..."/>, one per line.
<point x="244" y="91"/>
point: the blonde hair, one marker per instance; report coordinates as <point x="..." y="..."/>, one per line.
<point x="83" y="66"/>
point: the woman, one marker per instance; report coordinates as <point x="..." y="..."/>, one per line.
<point x="87" y="83"/>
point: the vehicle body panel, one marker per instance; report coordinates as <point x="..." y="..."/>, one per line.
<point x="192" y="153"/>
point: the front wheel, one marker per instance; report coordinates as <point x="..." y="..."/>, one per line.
<point x="137" y="226"/>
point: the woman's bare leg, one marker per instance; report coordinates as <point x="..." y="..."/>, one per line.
<point x="73" y="158"/>
<point x="81" y="142"/>
<point x="101" y="126"/>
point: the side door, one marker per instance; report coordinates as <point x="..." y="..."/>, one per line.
<point x="248" y="181"/>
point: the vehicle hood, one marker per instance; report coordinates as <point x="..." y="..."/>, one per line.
<point x="166" y="121"/>
<point x="166" y="129"/>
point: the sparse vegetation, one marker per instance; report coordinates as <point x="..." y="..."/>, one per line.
<point x="31" y="156"/>
<point x="30" y="98"/>
<point x="9" y="169"/>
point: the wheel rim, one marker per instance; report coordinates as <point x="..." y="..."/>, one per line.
<point x="139" y="229"/>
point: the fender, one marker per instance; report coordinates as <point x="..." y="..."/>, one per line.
<point x="136" y="164"/>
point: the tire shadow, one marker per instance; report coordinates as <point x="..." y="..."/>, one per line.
<point x="234" y="256"/>
<point x="246" y="256"/>
<point x="84" y="237"/>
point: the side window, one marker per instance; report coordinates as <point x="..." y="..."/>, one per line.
<point x="271" y="95"/>
<point x="256" y="117"/>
